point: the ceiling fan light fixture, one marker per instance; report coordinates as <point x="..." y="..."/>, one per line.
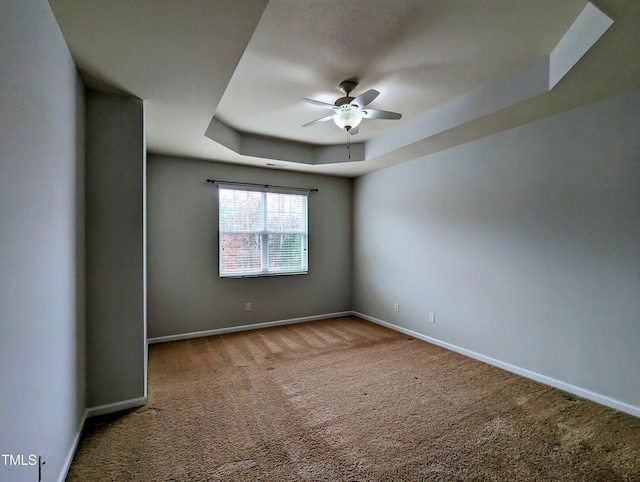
<point x="349" y="111"/>
<point x="348" y="119"/>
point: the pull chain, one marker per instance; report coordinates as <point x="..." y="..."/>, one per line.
<point x="349" y="144"/>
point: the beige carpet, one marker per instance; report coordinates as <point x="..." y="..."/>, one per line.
<point x="348" y="400"/>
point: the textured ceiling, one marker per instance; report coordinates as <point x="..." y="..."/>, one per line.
<point x="419" y="54"/>
<point x="249" y="63"/>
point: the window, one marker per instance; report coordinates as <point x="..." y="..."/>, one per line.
<point x="262" y="232"/>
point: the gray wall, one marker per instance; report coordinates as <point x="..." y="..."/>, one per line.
<point x="42" y="327"/>
<point x="185" y="293"/>
<point x="115" y="176"/>
<point x="525" y="244"/>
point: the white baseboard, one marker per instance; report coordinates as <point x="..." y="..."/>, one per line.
<point x="116" y="407"/>
<point x="93" y="412"/>
<point x="72" y="450"/>
<point x="581" y="392"/>
<point x="254" y="326"/>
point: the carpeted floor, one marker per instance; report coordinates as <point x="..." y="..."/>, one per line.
<point x="347" y="400"/>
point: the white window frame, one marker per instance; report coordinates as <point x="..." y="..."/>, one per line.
<point x="264" y="234"/>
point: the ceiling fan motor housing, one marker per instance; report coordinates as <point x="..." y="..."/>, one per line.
<point x="343" y="101"/>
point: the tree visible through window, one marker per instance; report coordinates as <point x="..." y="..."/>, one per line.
<point x="262" y="232"/>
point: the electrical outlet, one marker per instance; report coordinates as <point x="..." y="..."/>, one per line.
<point x="396" y="307"/>
<point x="432" y="317"/>
<point x="247" y="307"/>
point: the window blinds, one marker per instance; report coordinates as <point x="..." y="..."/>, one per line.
<point x="262" y="231"/>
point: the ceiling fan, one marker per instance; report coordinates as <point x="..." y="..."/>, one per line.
<point x="349" y="111"/>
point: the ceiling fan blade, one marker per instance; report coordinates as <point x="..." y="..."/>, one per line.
<point x="380" y="114"/>
<point x="354" y="130"/>
<point x="319" y="103"/>
<point x="365" y="99"/>
<point x="322" y="119"/>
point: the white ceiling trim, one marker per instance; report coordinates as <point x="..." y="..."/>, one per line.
<point x="590" y="25"/>
<point x="282" y="150"/>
